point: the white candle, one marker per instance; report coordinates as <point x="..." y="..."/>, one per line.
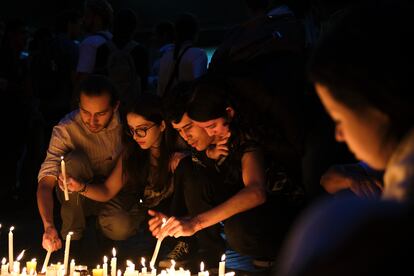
<point x="24" y="273"/>
<point x="113" y="262"/>
<point x="4" y="267"/>
<point x="72" y="267"/>
<point x="202" y="272"/>
<point x="51" y="271"/>
<point x="65" y="185"/>
<point x="172" y="268"/>
<point x="119" y="273"/>
<point x="232" y="273"/>
<point x="105" y="266"/>
<point x="158" y="245"/>
<point x="222" y="265"/>
<point x="46" y="262"/>
<point x="144" y="268"/>
<point x="67" y="249"/>
<point x="153" y="270"/>
<point x="11" y="257"/>
<point x="16" y="264"/>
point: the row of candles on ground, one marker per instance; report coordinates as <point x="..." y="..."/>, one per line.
<point x="13" y="267"/>
<point x="59" y="269"/>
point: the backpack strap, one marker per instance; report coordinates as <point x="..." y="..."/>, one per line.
<point x="175" y="73"/>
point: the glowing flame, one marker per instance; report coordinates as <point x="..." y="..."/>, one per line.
<point x="105" y="259"/>
<point x="164" y="221"/>
<point x="113" y="252"/>
<point x="24" y="271"/>
<point x="20" y="256"/>
<point x="33" y="260"/>
<point x="70" y="233"/>
<point x="3" y="261"/>
<point x="119" y="273"/>
<point x="223" y="257"/>
<point x="143" y="261"/>
<point x="140" y="201"/>
<point x="11" y="228"/>
<point x="98" y="266"/>
<point x="152" y="266"/>
<point x="172" y="264"/>
<point x="129" y="263"/>
<point x="61" y="157"/>
<point x="202" y="266"/>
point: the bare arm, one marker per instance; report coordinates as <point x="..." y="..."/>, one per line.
<point x="252" y="195"/>
<point x="99" y="192"/>
<point x="45" y="204"/>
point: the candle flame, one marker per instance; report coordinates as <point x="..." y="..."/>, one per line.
<point x="24" y="271"/>
<point x="33" y="260"/>
<point x="61" y="157"/>
<point x="140" y="201"/>
<point x="232" y="273"/>
<point x="70" y="233"/>
<point x="129" y="263"/>
<point x="3" y="261"/>
<point x="0" y="225"/>
<point x="11" y="228"/>
<point x="119" y="273"/>
<point x="172" y="264"/>
<point x="105" y="259"/>
<point x="20" y="256"/>
<point x="164" y="221"/>
<point x="202" y="266"/>
<point x="143" y="261"/>
<point x="223" y="257"/>
<point x="152" y="266"/>
<point x="113" y="252"/>
<point x="72" y="261"/>
<point x="98" y="266"/>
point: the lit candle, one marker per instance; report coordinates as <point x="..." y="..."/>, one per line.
<point x="222" y="265"/>
<point x="172" y="268"/>
<point x="98" y="271"/>
<point x="119" y="273"/>
<point x="158" y="245"/>
<point x="46" y="262"/>
<point x="11" y="258"/>
<point x="65" y="185"/>
<point x="24" y="273"/>
<point x="71" y="267"/>
<point x="144" y="268"/>
<point x="105" y="266"/>
<point x="16" y="264"/>
<point x="202" y="272"/>
<point x="4" y="267"/>
<point x="232" y="273"/>
<point x="153" y="270"/>
<point x="31" y="266"/>
<point x="67" y="249"/>
<point x="113" y="262"/>
<point x="51" y="271"/>
<point x="130" y="267"/>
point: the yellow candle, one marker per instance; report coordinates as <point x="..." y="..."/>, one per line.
<point x="11" y="258"/>
<point x="98" y="271"/>
<point x="31" y="266"/>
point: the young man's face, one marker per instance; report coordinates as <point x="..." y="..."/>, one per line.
<point x="96" y="111"/>
<point x="194" y="135"/>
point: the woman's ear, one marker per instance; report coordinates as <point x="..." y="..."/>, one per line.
<point x="230" y="113"/>
<point x="162" y="126"/>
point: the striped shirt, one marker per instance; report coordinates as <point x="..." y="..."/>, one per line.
<point x="101" y="148"/>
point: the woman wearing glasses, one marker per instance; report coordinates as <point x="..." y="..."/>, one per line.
<point x="146" y="166"/>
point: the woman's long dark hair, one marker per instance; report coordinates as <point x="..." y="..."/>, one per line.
<point x="136" y="161"/>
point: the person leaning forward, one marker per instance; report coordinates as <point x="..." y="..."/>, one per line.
<point x="89" y="139"/>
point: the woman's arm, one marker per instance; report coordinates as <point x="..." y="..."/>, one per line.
<point x="98" y="192"/>
<point x="253" y="194"/>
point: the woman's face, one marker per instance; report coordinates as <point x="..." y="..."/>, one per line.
<point x="219" y="128"/>
<point x="365" y="132"/>
<point x="146" y="133"/>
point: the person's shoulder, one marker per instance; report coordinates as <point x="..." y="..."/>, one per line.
<point x="70" y="118"/>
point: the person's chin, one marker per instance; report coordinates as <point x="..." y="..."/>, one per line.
<point x="94" y="129"/>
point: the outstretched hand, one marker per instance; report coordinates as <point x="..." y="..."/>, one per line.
<point x="51" y="240"/>
<point x="175" y="227"/>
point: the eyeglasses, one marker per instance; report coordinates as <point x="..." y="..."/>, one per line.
<point x="140" y="132"/>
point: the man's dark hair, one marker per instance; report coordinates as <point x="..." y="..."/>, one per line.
<point x="175" y="104"/>
<point x="97" y="85"/>
<point x="186" y="27"/>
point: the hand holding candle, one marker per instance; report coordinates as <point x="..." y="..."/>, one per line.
<point x="65" y="185"/>
<point x="158" y="245"/>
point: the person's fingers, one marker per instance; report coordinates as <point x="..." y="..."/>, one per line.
<point x="165" y="230"/>
<point x="154" y="225"/>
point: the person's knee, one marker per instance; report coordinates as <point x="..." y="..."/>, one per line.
<point x="78" y="165"/>
<point x="117" y="225"/>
